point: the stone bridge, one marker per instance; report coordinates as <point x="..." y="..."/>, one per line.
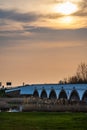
<point x="76" y="92"/>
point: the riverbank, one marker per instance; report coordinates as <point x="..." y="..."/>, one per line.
<point x="41" y="105"/>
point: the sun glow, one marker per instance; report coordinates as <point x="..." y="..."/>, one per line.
<point x="67" y="20"/>
<point x="66" y="8"/>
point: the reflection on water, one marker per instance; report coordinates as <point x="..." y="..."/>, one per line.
<point x="13" y="110"/>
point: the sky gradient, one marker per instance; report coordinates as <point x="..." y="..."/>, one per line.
<point x="38" y="44"/>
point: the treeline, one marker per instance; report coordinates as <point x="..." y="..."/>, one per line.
<point x="80" y="76"/>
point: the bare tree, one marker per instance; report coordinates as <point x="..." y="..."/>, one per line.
<point x="81" y="73"/>
<point x="79" y="77"/>
<point x="73" y="80"/>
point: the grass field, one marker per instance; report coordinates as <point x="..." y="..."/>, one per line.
<point x="43" y="121"/>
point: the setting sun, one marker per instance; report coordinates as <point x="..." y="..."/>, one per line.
<point x="66" y="20"/>
<point x="66" y="8"/>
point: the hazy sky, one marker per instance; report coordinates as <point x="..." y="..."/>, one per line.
<point x="41" y="41"/>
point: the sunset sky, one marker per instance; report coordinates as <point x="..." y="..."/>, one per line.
<point x="41" y="41"/>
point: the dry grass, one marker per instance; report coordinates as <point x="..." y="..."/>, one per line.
<point x="33" y="104"/>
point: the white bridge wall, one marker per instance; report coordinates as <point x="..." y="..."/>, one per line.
<point x="68" y="88"/>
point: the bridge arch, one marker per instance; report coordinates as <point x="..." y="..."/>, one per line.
<point x="35" y="94"/>
<point x="52" y="94"/>
<point x="74" y="96"/>
<point x="62" y="94"/>
<point x="43" y="94"/>
<point x="84" y="98"/>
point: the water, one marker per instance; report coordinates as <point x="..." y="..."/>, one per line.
<point x="12" y="110"/>
<point x="15" y="110"/>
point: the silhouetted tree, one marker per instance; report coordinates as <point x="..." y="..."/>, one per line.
<point x="61" y="82"/>
<point x="65" y="81"/>
<point x="73" y="80"/>
<point x="81" y="73"/>
<point x="79" y="77"/>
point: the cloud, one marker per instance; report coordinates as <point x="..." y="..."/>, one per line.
<point x="39" y="34"/>
<point x="53" y="16"/>
<point x="80" y="13"/>
<point x="34" y="34"/>
<point x="11" y="32"/>
<point x="26" y="17"/>
<point x="43" y="38"/>
<point x="51" y="34"/>
<point x="17" y="16"/>
<point x="82" y="6"/>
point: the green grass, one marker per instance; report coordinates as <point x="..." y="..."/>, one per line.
<point x="43" y="121"/>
